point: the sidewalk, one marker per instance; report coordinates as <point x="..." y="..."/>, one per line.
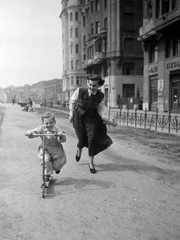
<point x="134" y="189"/>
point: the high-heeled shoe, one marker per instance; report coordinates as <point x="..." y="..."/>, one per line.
<point x="92" y="170"/>
<point x="78" y="155"/>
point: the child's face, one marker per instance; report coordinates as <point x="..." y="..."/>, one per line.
<point x="49" y="123"/>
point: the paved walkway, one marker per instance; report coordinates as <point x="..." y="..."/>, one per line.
<point x="132" y="197"/>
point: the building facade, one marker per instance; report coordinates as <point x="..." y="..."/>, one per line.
<point x="160" y="37"/>
<point x="100" y="37"/>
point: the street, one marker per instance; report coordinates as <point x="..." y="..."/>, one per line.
<point x="135" y="194"/>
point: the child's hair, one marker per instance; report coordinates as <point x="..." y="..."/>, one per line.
<point x="48" y="115"/>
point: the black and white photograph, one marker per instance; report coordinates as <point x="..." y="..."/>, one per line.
<point x="89" y="119"/>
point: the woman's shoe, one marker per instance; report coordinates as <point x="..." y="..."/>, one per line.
<point x="78" y="155"/>
<point x="92" y="170"/>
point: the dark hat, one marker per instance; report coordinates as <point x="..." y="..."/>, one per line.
<point x="95" y="77"/>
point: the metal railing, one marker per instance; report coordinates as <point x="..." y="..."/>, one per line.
<point x="167" y="122"/>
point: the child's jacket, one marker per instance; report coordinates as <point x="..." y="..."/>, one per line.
<point x="52" y="143"/>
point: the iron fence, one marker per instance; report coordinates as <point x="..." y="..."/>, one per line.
<point x="167" y="122"/>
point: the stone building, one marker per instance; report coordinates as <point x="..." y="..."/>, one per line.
<point x="100" y="37"/>
<point x="161" y="42"/>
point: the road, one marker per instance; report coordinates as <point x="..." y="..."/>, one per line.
<point x="133" y="196"/>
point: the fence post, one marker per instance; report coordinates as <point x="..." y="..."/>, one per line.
<point x="120" y="113"/>
<point x="156" y="119"/>
<point x="176" y="124"/>
<point x="145" y="118"/>
<point x="169" y="120"/>
<point x="135" y="117"/>
<point x="127" y="115"/>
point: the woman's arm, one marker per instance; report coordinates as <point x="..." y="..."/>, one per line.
<point x="102" y="109"/>
<point x="72" y="103"/>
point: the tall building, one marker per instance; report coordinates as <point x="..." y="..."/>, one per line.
<point x="100" y="37"/>
<point x="161" y="42"/>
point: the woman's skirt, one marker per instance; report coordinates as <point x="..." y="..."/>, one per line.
<point x="91" y="132"/>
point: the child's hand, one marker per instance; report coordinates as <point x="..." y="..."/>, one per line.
<point x="62" y="137"/>
<point x="29" y="134"/>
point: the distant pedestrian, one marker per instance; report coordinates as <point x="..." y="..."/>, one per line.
<point x="28" y="105"/>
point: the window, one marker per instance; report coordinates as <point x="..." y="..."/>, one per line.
<point x="154" y="89"/>
<point x="168" y="48"/>
<point x="92" y="29"/>
<point x="71" y="32"/>
<point x="71" y="48"/>
<point x="149" y="8"/>
<point x="97" y="27"/>
<point x="77" y="64"/>
<point x="105" y="23"/>
<point x="164" y="6"/>
<point x="128" y="68"/>
<point x="71" y="16"/>
<point x="176" y="46"/>
<point x="77" y="81"/>
<point x="168" y="5"/>
<point x="173" y="4"/>
<point x="77" y="48"/>
<point x="158" y="14"/>
<point x="128" y="20"/>
<point x="173" y="47"/>
<point x="105" y="3"/>
<point x="153" y="54"/>
<point x="76" y="32"/>
<point x="84" y="21"/>
<point x="97" y="5"/>
<point x="105" y="46"/>
<point x="84" y="39"/>
<point x="76" y="16"/>
<point x="128" y="44"/>
<point x="90" y="52"/>
<point x="128" y="90"/>
<point x="72" y="65"/>
<point x="92" y="6"/>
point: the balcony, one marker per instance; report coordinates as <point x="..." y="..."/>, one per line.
<point x="98" y="58"/>
<point x="103" y="33"/>
<point x="147" y="30"/>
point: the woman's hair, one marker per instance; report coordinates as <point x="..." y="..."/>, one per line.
<point x="48" y="115"/>
<point x="95" y="77"/>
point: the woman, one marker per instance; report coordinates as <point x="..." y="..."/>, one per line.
<point x="87" y="113"/>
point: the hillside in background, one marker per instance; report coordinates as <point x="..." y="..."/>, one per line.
<point x="49" y="90"/>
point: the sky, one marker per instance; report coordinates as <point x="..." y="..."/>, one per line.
<point x="30" y="41"/>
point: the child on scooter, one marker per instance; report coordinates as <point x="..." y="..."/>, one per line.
<point x="55" y="157"/>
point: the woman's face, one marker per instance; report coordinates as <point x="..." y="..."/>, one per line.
<point x="93" y="86"/>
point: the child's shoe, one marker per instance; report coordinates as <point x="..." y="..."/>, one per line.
<point x="47" y="178"/>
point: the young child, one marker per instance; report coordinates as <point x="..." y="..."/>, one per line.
<point x="55" y="157"/>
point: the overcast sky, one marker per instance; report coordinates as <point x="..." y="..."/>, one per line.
<point x="30" y="41"/>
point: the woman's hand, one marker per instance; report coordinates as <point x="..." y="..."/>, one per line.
<point x="108" y="122"/>
<point x="71" y="119"/>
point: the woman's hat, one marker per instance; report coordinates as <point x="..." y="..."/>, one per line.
<point x="95" y="77"/>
